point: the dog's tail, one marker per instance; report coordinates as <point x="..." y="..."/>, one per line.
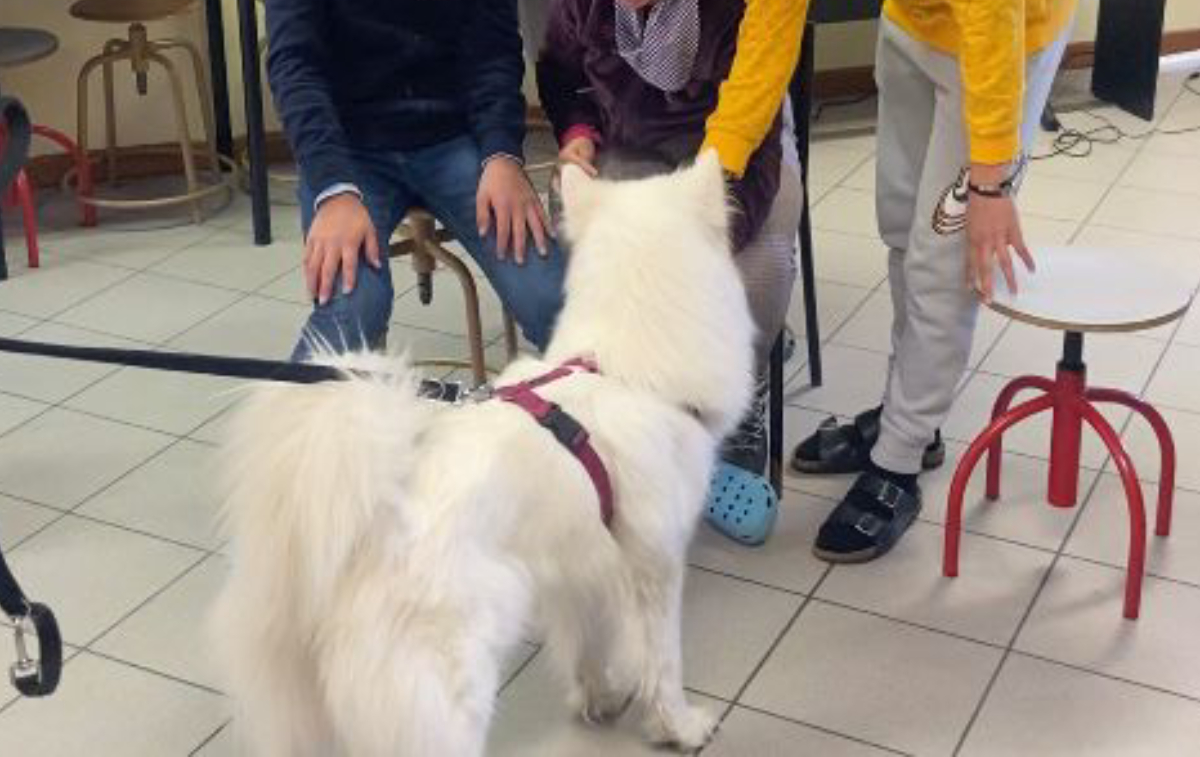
<point x="312" y="468"/>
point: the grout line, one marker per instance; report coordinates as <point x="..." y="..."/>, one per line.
<point x="1107" y="676"/>
<point x="822" y="729"/>
<point x="210" y="738"/>
<point x="153" y="672"/>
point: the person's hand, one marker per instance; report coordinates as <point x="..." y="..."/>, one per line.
<point x="993" y="232"/>
<point x="582" y="152"/>
<point x="506" y="195"/>
<point x="341" y="228"/>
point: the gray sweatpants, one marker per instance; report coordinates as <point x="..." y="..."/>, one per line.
<point x="920" y="201"/>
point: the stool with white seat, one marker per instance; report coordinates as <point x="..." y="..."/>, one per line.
<point x="1078" y="290"/>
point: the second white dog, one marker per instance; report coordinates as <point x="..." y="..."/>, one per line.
<point x="388" y="552"/>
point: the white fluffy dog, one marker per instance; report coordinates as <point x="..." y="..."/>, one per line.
<point x="389" y="551"/>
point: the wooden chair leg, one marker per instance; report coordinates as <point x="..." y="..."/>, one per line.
<point x="510" y="336"/>
<point x="110" y="114"/>
<point x="203" y="91"/>
<point x="181" y="129"/>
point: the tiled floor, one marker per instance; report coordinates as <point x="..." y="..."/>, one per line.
<point x="106" y="502"/>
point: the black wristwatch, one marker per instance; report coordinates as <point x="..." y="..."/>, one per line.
<point x="1006" y="188"/>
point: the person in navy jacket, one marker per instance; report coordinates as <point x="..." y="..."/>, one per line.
<point x="393" y="104"/>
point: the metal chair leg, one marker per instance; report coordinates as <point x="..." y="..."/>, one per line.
<point x="801" y="92"/>
<point x="775" y="416"/>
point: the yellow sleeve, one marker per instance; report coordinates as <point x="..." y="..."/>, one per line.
<point x="992" y="61"/>
<point x="768" y="46"/>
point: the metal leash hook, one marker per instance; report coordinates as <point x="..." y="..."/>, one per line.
<point x="32" y="676"/>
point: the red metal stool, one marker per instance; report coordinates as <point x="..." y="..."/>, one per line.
<point x="1075" y="291"/>
<point x="17" y="47"/>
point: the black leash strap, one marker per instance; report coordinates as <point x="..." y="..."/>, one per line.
<point x="39" y="676"/>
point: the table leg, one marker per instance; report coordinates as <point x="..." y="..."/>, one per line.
<point x="215" y="26"/>
<point x="255" y="133"/>
<point x="801" y="91"/>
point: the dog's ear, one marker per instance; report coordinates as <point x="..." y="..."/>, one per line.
<point x="579" y="192"/>
<point x="707" y="180"/>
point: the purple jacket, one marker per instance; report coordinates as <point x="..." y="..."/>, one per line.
<point x="583" y="81"/>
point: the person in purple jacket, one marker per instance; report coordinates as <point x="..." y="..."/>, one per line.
<point x="392" y="104"/>
<point x="627" y="86"/>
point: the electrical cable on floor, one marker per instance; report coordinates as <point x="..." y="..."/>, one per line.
<point x="1079" y="143"/>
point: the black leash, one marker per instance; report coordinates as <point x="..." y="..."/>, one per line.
<point x="36" y="677"/>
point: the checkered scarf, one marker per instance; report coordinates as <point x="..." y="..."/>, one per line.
<point x="663" y="50"/>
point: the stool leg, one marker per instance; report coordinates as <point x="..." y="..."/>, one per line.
<point x="81" y="102"/>
<point x="1133" y="497"/>
<point x="202" y="89"/>
<point x="1005" y="398"/>
<point x="510" y="336"/>
<point x="962" y="474"/>
<point x="474" y="322"/>
<point x="1166" y="446"/>
<point x="1066" y="438"/>
<point x="181" y="126"/>
<point x="25" y="197"/>
<point x="83" y="168"/>
<point x="110" y="115"/>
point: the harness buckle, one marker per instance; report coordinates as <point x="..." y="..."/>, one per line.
<point x="568" y="431"/>
<point x="26" y="670"/>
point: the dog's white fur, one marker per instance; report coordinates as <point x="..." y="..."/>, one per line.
<point x="388" y="552"/>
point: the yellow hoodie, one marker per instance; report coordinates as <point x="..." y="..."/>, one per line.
<point x="991" y="39"/>
<point x="768" y="47"/>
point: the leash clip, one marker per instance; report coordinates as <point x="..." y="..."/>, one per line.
<point x="36" y="676"/>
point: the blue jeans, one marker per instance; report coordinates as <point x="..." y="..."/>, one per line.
<point x="443" y="179"/>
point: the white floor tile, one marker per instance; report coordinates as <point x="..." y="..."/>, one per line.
<point x="124" y="247"/>
<point x="1175" y="382"/>
<point x="168" y="635"/>
<point x="289" y="287"/>
<point x="173" y="496"/>
<point x="1040" y="230"/>
<point x="220" y="745"/>
<point x="1115" y="361"/>
<point x="149" y="308"/>
<point x="1102" y="166"/>
<point x="850" y="211"/>
<point x="829" y="164"/>
<point x="728" y="626"/>
<point x="1021" y="514"/>
<point x="45" y="291"/>
<point x="105" y="709"/>
<point x="51" y="379"/>
<point x="231" y="261"/>
<point x="1189" y="329"/>
<point x="254" y="327"/>
<point x="447" y="311"/>
<point x="1039" y="708"/>
<point x="1078" y="620"/>
<point x="785" y="561"/>
<point x="746" y="732"/>
<point x="986" y="601"/>
<point x="838" y="669"/>
<point x="852" y="259"/>
<point x="1103" y="531"/>
<point x="1061" y="199"/>
<point x="854" y="381"/>
<point x="1150" y="212"/>
<point x="17" y="410"/>
<point x="12" y="324"/>
<point x="1142" y="446"/>
<point x="1159" y="172"/>
<point x="20" y="519"/>
<point x="862" y="178"/>
<point x="870" y="328"/>
<point x="835" y="304"/>
<point x="174" y="403"/>
<point x="61" y="458"/>
<point x="532" y="720"/>
<point x="92" y="574"/>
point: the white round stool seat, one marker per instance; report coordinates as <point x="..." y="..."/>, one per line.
<point x="1089" y="289"/>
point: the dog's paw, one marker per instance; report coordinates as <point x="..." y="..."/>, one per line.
<point x="599" y="705"/>
<point x="685" y="729"/>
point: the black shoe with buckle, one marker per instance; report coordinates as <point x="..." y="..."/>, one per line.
<point x="869" y="521"/>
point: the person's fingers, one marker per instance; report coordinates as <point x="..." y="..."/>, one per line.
<point x="312" y="266"/>
<point x="1006" y="267"/>
<point x="329" y="265"/>
<point x="518" y="231"/>
<point x="539" y="227"/>
<point x="349" y="267"/>
<point x="985" y="274"/>
<point x="1023" y="251"/>
<point x="482" y="213"/>
<point x="502" y="229"/>
<point x="372" y="244"/>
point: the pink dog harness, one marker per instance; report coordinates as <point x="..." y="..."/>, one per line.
<point x="563" y="426"/>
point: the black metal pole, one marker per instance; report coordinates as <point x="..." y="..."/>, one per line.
<point x="215" y="26"/>
<point x="775" y="417"/>
<point x="256" y="147"/>
<point x="801" y="92"/>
